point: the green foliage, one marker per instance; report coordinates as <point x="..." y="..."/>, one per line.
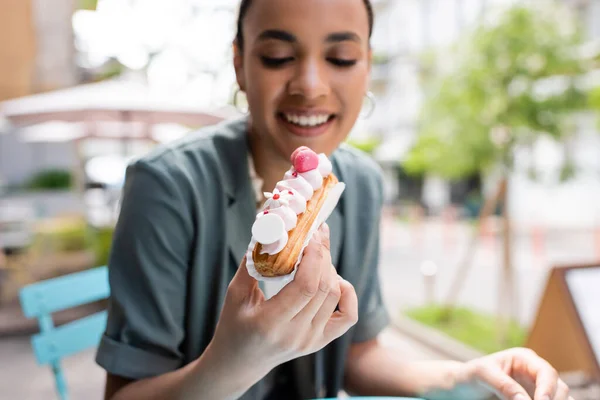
<point x="366" y="145"/>
<point x="470" y="327"/>
<point x="51" y="180"/>
<point x="64" y="235"/>
<point x="72" y="239"/>
<point x="503" y="86"/>
<point x="72" y="235"/>
<point x="102" y="238"/>
<point x="111" y="70"/>
<point x="87" y="5"/>
<point x="380" y="58"/>
<point x="594" y="98"/>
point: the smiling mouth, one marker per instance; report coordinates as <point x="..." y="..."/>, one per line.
<point x="307" y="121"/>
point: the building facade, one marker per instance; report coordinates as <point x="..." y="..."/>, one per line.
<point x="38" y="51"/>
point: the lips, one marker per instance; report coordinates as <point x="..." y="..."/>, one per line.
<point x="306" y="124"/>
<point x="306" y="120"/>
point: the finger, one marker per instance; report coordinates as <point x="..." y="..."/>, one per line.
<point x="298" y="293"/>
<point x="546" y="383"/>
<point x="325" y="241"/>
<point x="243" y="286"/>
<point x="328" y="286"/>
<point x="329" y="305"/>
<point x="346" y="315"/>
<point x="546" y="377"/>
<point x="242" y="277"/>
<point x="498" y="381"/>
<point x="562" y="392"/>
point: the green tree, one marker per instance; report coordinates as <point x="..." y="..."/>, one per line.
<point x="502" y="86"/>
<point x="595" y="99"/>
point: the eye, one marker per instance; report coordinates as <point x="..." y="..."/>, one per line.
<point x="275" y="62"/>
<point x="339" y="62"/>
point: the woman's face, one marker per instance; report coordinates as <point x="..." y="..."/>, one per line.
<point x="305" y="70"/>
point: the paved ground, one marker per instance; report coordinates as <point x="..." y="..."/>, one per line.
<point x="22" y="379"/>
<point x="404" y="249"/>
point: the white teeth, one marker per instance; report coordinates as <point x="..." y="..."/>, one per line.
<point x="313" y="120"/>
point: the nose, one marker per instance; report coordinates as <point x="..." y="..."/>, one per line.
<point x="309" y="80"/>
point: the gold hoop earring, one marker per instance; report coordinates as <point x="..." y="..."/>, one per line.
<point x="242" y="109"/>
<point x="370" y="99"/>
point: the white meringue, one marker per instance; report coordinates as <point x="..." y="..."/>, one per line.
<point x="313" y="177"/>
<point x="290" y="219"/>
<point x="276" y="247"/>
<point x="295" y="200"/>
<point x="325" y="168"/>
<point x="299" y="184"/>
<point x="268" y="228"/>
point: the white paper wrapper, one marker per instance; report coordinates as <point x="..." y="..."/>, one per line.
<point x="331" y="201"/>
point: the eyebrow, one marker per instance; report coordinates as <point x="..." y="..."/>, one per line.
<point x="277" y="35"/>
<point x="343" y="37"/>
<point x="284" y="36"/>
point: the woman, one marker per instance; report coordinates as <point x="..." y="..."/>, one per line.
<point x="187" y="321"/>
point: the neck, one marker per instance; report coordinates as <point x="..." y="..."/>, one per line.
<point x="268" y="162"/>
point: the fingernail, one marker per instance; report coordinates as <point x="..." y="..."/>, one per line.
<point x="546" y="397"/>
<point x="519" y="397"/>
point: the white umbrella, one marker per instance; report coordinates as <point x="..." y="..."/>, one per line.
<point x="114" y="100"/>
<point x="52" y="131"/>
<point x="59" y="131"/>
<point x="118" y="109"/>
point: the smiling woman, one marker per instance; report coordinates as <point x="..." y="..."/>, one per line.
<point x="186" y="320"/>
<point x="182" y="320"/>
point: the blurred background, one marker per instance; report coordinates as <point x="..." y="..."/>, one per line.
<point x="486" y="127"/>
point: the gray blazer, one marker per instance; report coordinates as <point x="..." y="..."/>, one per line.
<point x="184" y="225"/>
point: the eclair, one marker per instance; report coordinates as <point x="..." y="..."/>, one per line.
<point x="295" y="209"/>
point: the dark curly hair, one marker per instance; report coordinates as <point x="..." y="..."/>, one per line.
<point x="245" y="5"/>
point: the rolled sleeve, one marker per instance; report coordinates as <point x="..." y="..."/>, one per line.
<point x="371" y="322"/>
<point x="373" y="316"/>
<point x="147" y="273"/>
<point x="128" y="361"/>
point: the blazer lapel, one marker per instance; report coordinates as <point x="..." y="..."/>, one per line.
<point x="335" y="223"/>
<point x="240" y="217"/>
<point x="336" y="219"/>
<point x="240" y="210"/>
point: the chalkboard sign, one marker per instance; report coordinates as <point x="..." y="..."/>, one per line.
<point x="566" y="331"/>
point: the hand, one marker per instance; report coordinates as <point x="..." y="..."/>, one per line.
<point x="516" y="374"/>
<point x="299" y="320"/>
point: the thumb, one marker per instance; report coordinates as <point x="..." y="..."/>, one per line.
<point x="242" y="286"/>
<point x="324" y="231"/>
<point x="242" y="277"/>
